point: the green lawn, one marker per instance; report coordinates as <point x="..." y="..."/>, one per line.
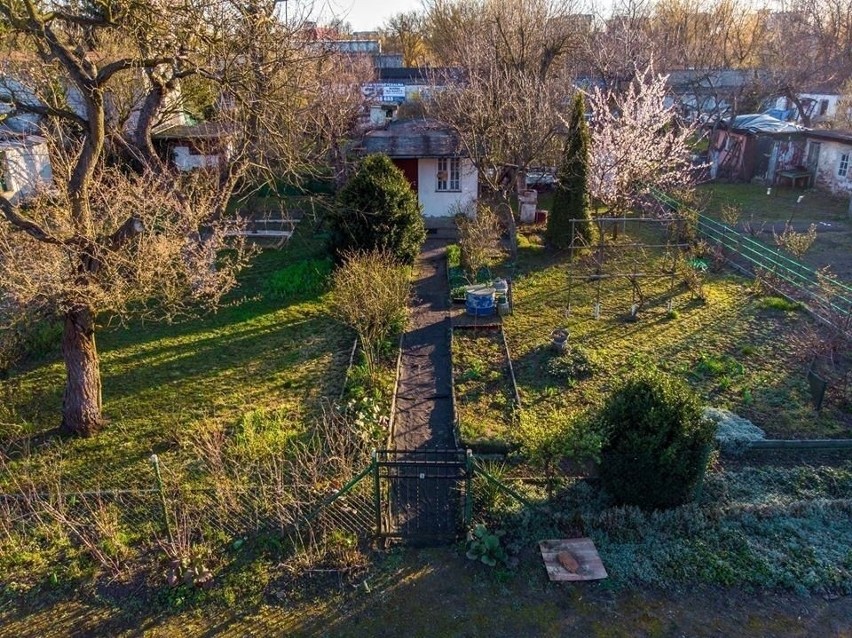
<point x="734" y="349"/>
<point x="163" y="381"/>
<point x="259" y="370"/>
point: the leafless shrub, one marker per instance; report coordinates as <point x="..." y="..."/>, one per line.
<point x="730" y="213"/>
<point x="479" y="239"/>
<point x="371" y="292"/>
<point x="752" y="228"/>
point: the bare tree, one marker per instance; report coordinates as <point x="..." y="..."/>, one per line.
<point x="514" y="83"/>
<point x="106" y="242"/>
<point x="808" y="44"/>
<point x="405" y="33"/>
<point x="619" y="43"/>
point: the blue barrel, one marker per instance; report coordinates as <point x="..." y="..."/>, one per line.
<point x="479" y="301"/>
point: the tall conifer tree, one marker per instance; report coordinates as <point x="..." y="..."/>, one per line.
<point x="571" y="200"/>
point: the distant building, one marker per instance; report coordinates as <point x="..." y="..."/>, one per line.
<point x="702" y="94"/>
<point x="189" y="147"/>
<point x="818" y="103"/>
<point x="829" y="155"/>
<point x="757" y="146"/>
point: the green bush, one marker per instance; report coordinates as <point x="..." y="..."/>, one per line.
<point x="779" y="304"/>
<point x="302" y="279"/>
<point x="575" y="364"/>
<point x="453" y="256"/>
<point x="377" y="210"/>
<point x="657" y="441"/>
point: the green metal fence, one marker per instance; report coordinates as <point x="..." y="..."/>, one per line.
<point x="824" y="295"/>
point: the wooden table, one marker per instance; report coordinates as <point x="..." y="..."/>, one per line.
<point x="794" y="175"/>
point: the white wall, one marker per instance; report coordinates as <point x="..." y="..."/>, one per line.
<point x="831" y="98"/>
<point x="442" y="204"/>
<point x="186" y="161"/>
<point x="829" y="160"/>
<point x="26" y="168"/>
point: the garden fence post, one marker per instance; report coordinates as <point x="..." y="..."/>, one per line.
<point x="377" y="499"/>
<point x="468" y="489"/>
<point x="155" y="461"/>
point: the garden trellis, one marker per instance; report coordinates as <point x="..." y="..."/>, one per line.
<point x="603" y="253"/>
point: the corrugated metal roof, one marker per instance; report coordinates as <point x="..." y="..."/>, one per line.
<point x="412" y="138"/>
<point x="761" y="123"/>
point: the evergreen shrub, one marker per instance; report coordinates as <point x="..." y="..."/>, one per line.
<point x="657" y="442"/>
<point x="377" y="210"/>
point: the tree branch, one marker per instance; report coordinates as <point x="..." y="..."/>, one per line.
<point x="50" y="111"/>
<point x="27" y="225"/>
<point x="128" y="63"/>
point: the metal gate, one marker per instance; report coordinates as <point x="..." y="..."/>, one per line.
<point x="423" y="495"/>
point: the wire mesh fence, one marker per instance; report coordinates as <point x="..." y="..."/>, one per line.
<point x="826" y="297"/>
<point x="174" y="521"/>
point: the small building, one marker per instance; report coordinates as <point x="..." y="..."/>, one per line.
<point x="430" y="155"/>
<point x="24" y="165"/>
<point x="702" y="94"/>
<point x="190" y="147"/>
<point x="829" y="155"/>
<point x="820" y="104"/>
<point x="758" y="146"/>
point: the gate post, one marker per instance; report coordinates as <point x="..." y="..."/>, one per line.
<point x="468" y="489"/>
<point x="377" y="499"/>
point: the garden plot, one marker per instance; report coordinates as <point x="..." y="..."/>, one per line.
<point x="484" y="395"/>
<point x="736" y="347"/>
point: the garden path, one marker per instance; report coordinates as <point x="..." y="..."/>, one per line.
<point x="424" y="410"/>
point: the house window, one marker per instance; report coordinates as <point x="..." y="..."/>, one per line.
<point x="449" y="174"/>
<point x="823" y="107"/>
<point x="843" y="167"/>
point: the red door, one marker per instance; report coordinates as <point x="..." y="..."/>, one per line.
<point x="409" y="168"/>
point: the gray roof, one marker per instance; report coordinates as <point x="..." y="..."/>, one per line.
<point x="761" y="123"/>
<point x="720" y="79"/>
<point x="200" y="131"/>
<point x="9" y="138"/>
<point x="412" y="138"/>
<point x="831" y="135"/>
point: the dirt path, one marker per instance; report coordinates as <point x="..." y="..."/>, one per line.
<point x="424" y="411"/>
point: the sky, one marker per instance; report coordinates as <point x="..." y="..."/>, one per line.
<point x="368" y="15"/>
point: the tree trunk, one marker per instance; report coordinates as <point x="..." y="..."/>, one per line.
<point x="81" y="404"/>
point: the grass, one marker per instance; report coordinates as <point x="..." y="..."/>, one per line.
<point x="257" y="352"/>
<point x="735" y="348"/>
<point x="779" y="304"/>
<point x="782" y="204"/>
<point x="764" y="212"/>
<point x="257" y="372"/>
<point x="221" y="400"/>
<point x="485" y="404"/>
<point x="715" y="565"/>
